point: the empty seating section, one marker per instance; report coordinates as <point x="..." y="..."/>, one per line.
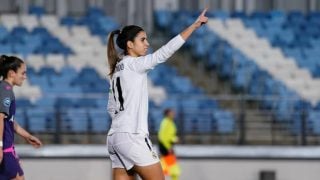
<point x="67" y="70"/>
<point x="195" y="114"/>
<point x="270" y="55"/>
<point x="295" y="33"/>
<point x="20" y="40"/>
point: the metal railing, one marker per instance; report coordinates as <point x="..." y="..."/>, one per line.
<point x="252" y="122"/>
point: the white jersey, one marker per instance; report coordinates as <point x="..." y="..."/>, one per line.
<point x="128" y="97"/>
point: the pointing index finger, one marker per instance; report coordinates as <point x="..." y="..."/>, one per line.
<point x="204" y="11"/>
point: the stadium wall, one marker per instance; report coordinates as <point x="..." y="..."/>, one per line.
<point x="79" y="162"/>
<point x="192" y="169"/>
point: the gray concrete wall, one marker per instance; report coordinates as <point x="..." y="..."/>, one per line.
<point x="195" y="169"/>
<point x="91" y="162"/>
<point x="66" y="169"/>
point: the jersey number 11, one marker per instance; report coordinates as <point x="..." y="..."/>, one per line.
<point x="120" y="97"/>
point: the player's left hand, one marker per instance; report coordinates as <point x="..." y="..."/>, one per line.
<point x="202" y="19"/>
<point x="34" y="141"/>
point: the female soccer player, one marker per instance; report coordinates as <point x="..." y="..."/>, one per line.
<point x="128" y="144"/>
<point x="13" y="73"/>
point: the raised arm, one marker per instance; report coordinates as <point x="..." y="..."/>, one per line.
<point x="148" y="62"/>
<point x="202" y="19"/>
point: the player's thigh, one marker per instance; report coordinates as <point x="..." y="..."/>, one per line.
<point x="122" y="174"/>
<point x="11" y="168"/>
<point x="151" y="172"/>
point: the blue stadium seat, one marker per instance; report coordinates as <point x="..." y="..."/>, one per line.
<point x="20" y="117"/>
<point x="225" y="122"/>
<point x="197" y="123"/>
<point x="220" y="14"/>
<point x="100" y="120"/>
<point x="36" y="10"/>
<point x="86" y="103"/>
<point x="155" y="118"/>
<point x="238" y="14"/>
<point x="6" y="49"/>
<point x="95" y="12"/>
<point x="171" y="102"/>
<point x="64" y="103"/>
<point x="40" y="120"/>
<point x="76" y="120"/>
<point x="23" y="103"/>
<point x="313" y="120"/>
<point x="163" y="18"/>
<point x="3" y="32"/>
<point x="68" y="21"/>
<point x="45" y="102"/>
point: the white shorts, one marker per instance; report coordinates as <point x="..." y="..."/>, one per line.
<point x="127" y="150"/>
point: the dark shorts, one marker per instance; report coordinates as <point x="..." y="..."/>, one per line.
<point x="163" y="150"/>
<point x="10" y="167"/>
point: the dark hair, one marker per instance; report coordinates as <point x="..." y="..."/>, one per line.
<point x="8" y="63"/>
<point x="128" y="33"/>
<point x="167" y="111"/>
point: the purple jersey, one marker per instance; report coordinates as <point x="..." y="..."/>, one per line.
<point x="10" y="165"/>
<point x="7" y="107"/>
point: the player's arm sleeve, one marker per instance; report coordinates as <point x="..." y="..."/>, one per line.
<point x="111" y="107"/>
<point x="171" y="133"/>
<point x="5" y="98"/>
<point x="145" y="63"/>
<point x="174" y="138"/>
<point x="160" y="132"/>
<point x="164" y="137"/>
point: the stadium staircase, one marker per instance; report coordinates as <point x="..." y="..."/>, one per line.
<point x="259" y="129"/>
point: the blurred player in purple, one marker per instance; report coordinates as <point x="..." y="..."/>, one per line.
<point x="12" y="73"/>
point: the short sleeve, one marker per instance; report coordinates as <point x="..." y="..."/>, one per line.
<point x="6" y="100"/>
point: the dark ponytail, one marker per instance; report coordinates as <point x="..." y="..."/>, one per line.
<point x="113" y="57"/>
<point x="128" y="33"/>
<point x="8" y="63"/>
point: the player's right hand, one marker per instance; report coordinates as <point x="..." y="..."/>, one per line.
<point x="202" y="19"/>
<point x="34" y="141"/>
